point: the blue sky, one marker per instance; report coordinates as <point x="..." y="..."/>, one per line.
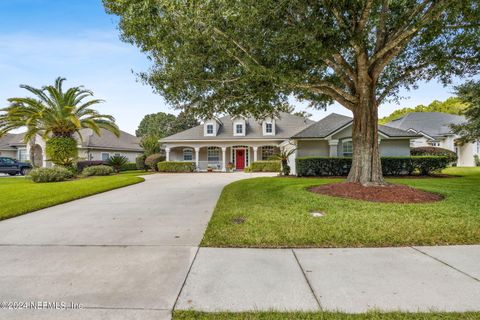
<point x="43" y="39"/>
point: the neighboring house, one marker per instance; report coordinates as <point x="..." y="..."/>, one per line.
<point x="242" y="141"/>
<point x="434" y="128"/>
<point x="90" y="147"/>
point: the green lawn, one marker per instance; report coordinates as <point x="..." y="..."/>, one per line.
<point x="276" y="213"/>
<point x="190" y="315"/>
<point x="21" y="195"/>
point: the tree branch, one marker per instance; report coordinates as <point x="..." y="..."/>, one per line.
<point x="381" y="27"/>
<point x="345" y="99"/>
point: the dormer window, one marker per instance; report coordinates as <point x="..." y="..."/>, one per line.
<point x="209" y="128"/>
<point x="239" y="128"/>
<point x="269" y="128"/>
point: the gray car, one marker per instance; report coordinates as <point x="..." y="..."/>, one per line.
<point x="13" y="167"/>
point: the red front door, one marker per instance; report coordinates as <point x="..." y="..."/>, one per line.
<point x="240" y="159"/>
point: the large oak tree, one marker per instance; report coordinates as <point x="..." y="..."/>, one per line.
<point x="248" y="56"/>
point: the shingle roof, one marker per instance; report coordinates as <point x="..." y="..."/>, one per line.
<point x="434" y="124"/>
<point x="286" y="125"/>
<point x="11" y="140"/>
<point x="334" y="122"/>
<point x="106" y="140"/>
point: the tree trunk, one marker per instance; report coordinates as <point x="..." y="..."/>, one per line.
<point x="366" y="165"/>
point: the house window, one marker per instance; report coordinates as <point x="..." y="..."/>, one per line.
<point x="187" y="154"/>
<point x="239" y="129"/>
<point x="209" y="128"/>
<point x="267" y="152"/>
<point x="268" y="127"/>
<point x="213" y="154"/>
<point x="347" y="148"/>
<point x="22" y="154"/>
<point x="105" y="156"/>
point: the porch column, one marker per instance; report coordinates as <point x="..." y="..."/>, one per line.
<point x="255" y="157"/>
<point x="333" y="148"/>
<point x="224" y="160"/>
<point x="197" y="155"/>
<point x="167" y="154"/>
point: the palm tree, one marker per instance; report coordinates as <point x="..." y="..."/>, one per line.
<point x="55" y="114"/>
<point x="283" y="155"/>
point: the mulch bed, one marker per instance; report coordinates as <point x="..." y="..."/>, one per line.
<point x="390" y="193"/>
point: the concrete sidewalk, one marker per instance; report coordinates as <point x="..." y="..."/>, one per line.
<point x="349" y="280"/>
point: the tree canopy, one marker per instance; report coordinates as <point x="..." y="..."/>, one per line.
<point x="161" y="124"/>
<point x="249" y="57"/>
<point x="469" y="93"/>
<point x="453" y="105"/>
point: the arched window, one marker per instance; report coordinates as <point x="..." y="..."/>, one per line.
<point x="187" y="154"/>
<point x="213" y="154"/>
<point x="268" y="152"/>
<point x="347" y="148"/>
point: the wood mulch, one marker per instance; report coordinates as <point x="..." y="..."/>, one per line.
<point x="393" y="193"/>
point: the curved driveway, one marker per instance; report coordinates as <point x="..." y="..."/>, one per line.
<point x="123" y="254"/>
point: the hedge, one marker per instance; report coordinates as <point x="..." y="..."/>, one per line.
<point x="101" y="170"/>
<point x="434" y="151"/>
<point x="152" y="160"/>
<point x="266" y="166"/>
<point x="391" y="166"/>
<point x="54" y="174"/>
<point x="172" y="166"/>
<point x="84" y="164"/>
<point x="140" y="162"/>
<point x="129" y="166"/>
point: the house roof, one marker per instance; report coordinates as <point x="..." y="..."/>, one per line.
<point x="106" y="140"/>
<point x="434" y="124"/>
<point x="12" y="140"/>
<point x="286" y="125"/>
<point x="334" y="122"/>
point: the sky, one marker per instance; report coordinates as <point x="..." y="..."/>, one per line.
<point x="41" y="40"/>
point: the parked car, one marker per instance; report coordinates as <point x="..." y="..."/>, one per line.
<point x="13" y="167"/>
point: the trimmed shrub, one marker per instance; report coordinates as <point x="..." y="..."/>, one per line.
<point x="152" y="160"/>
<point x="391" y="166"/>
<point x="266" y="166"/>
<point x="101" y="170"/>
<point x="172" y="166"/>
<point x="54" y="174"/>
<point x="477" y="160"/>
<point x="140" y="162"/>
<point x="434" y="151"/>
<point x="117" y="162"/>
<point x="84" y="164"/>
<point x="62" y="150"/>
<point x="427" y="164"/>
<point x="129" y="166"/>
<point x="247" y="169"/>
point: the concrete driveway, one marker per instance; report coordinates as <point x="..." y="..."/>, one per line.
<point x="123" y="254"/>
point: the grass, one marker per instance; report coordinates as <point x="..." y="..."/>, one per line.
<point x="275" y="212"/>
<point x="190" y="315"/>
<point x="21" y="195"/>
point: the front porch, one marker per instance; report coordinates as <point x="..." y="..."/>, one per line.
<point x="217" y="158"/>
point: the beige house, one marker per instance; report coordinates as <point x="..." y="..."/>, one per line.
<point x="241" y="141"/>
<point x="434" y="130"/>
<point x="90" y="147"/>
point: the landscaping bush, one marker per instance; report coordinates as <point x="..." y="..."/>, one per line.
<point x="152" y="160"/>
<point x="129" y="166"/>
<point x="247" y="169"/>
<point x="477" y="160"/>
<point x="140" y="162"/>
<point x="391" y="166"/>
<point x="266" y="166"/>
<point x="434" y="151"/>
<point x="84" y="164"/>
<point x="101" y="170"/>
<point x="428" y="164"/>
<point x="172" y="166"/>
<point x="62" y="150"/>
<point x="117" y="162"/>
<point x="54" y="174"/>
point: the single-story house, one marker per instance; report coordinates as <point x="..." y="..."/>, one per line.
<point x="90" y="146"/>
<point x="241" y="141"/>
<point x="434" y="130"/>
